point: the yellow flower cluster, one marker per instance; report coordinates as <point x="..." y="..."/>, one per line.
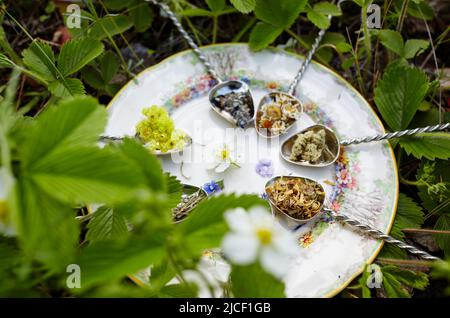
<point x="158" y="131"/>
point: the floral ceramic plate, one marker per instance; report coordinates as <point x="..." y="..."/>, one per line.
<point x="362" y="183"/>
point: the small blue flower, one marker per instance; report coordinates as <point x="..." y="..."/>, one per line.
<point x="211" y="187"/>
<point x="264" y="196"/>
<point x="245" y="79"/>
<point x="264" y="168"/>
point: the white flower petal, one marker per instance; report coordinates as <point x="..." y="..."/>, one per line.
<point x="284" y="241"/>
<point x="238" y="221"/>
<point x="240" y="249"/>
<point x="224" y="165"/>
<point x="261" y="218"/>
<point x="274" y="262"/>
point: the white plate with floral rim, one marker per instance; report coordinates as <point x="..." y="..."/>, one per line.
<point x="362" y="183"/>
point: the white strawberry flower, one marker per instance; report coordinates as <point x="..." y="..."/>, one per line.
<point x="256" y="235"/>
<point x="223" y="158"/>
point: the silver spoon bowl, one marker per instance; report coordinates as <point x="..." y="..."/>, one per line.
<point x="332" y="147"/>
<point x="233" y="101"/>
<point x="364" y="228"/>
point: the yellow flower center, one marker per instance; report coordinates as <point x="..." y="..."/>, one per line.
<point x="224" y="153"/>
<point x="264" y="236"/>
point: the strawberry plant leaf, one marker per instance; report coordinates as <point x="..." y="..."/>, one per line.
<point x="244" y="6"/>
<point x="39" y="58"/>
<point x="429" y="145"/>
<point x="109" y="26"/>
<point x="77" y="53"/>
<point x="253" y="281"/>
<point x="262" y="35"/>
<point x="443" y="240"/>
<point x="399" y="93"/>
<point x="106" y="224"/>
<point x="392" y="40"/>
<point x="142" y="16"/>
<point x="281" y="14"/>
<point x="414" y="47"/>
<point x="67" y="87"/>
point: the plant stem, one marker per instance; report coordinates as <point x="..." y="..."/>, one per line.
<point x="426" y="231"/>
<point x="215" y="27"/>
<point x="244" y="30"/>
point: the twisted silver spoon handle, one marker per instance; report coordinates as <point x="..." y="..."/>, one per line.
<point x="396" y="134"/>
<point x="381" y="236"/>
<point x="189" y="40"/>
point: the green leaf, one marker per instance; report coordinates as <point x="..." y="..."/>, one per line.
<point x="414" y="47"/>
<point x="142" y="17"/>
<point x="196" y="12"/>
<point x="67" y="87"/>
<point x="363" y="283"/>
<point x="216" y="5"/>
<point x="74" y="122"/>
<point x="399" y="93"/>
<point x="76" y="53"/>
<point x="106" y="224"/>
<point x="409" y="215"/>
<point x="147" y="164"/>
<point x="104" y="261"/>
<point x="417" y="280"/>
<point x="109" y="26"/>
<point x="178" y="291"/>
<point x="392" y="40"/>
<point x="278" y="13"/>
<point x="48" y="231"/>
<point x="428" y="145"/>
<point x="327" y="8"/>
<point x="205" y="226"/>
<point x="93" y="78"/>
<point x="262" y="35"/>
<point x="244" y="6"/>
<point x="109" y="65"/>
<point x="115" y="4"/>
<point x="174" y="190"/>
<point x="85" y="175"/>
<point x="253" y="282"/>
<point x="443" y="240"/>
<point x="393" y="288"/>
<point x="39" y="58"/>
<point x="320" y="20"/>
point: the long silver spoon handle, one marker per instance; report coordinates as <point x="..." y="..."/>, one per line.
<point x="381" y="236"/>
<point x="164" y="7"/>
<point x="306" y="62"/>
<point x="396" y="134"/>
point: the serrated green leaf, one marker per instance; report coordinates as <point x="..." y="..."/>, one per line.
<point x="115" y="4"/>
<point x="327" y="8"/>
<point x="409" y="215"/>
<point x="179" y="291"/>
<point x="414" y="47"/>
<point x="39" y="58"/>
<point x="252" y="281"/>
<point x="85" y="175"/>
<point x="93" y="78"/>
<point x="428" y="145"/>
<point x="399" y="93"/>
<point x="205" y="226"/>
<point x="443" y="223"/>
<point x="215" y="5"/>
<point x="320" y="20"/>
<point x="417" y="280"/>
<point x="147" y="163"/>
<point x="392" y="40"/>
<point x="142" y="17"/>
<point x="244" y="6"/>
<point x="393" y="288"/>
<point x="196" y="12"/>
<point x="174" y="190"/>
<point x="67" y="87"/>
<point x="263" y="35"/>
<point x="106" y="224"/>
<point x="74" y="122"/>
<point x="281" y="14"/>
<point x="77" y="53"/>
<point x="109" y="260"/>
<point x="47" y="230"/>
<point x="109" y="65"/>
<point x="109" y="26"/>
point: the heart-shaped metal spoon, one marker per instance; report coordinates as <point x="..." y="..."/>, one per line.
<point x="187" y="143"/>
<point x="318" y="145"/>
<point x="313" y="196"/>
<point x="289" y="107"/>
<point x="232" y="99"/>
